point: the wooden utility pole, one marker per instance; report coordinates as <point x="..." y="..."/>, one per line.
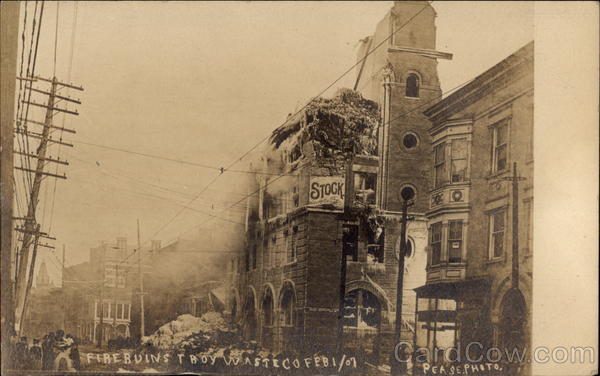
<point x="396" y="368"/>
<point x="101" y="303"/>
<point x="9" y="36"/>
<point x="141" y="278"/>
<point x="515" y="225"/>
<point x="62" y="286"/>
<point x="30" y="229"/>
<point x="348" y="203"/>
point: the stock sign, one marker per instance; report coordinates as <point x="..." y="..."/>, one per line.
<point x="327" y="190"/>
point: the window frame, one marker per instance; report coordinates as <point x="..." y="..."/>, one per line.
<point x="492" y="234"/>
<point x="432" y="244"/>
<point x="465" y="158"/>
<point x="452" y="239"/>
<point x="496" y="147"/>
<point x="417" y="86"/>
<point x="437" y="164"/>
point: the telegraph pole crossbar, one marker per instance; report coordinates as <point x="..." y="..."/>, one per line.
<point x="30" y="229"/>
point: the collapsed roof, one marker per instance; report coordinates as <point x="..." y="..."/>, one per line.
<point x="346" y="122"/>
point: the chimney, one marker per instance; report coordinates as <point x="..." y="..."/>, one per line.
<point x="155" y="245"/>
<point x="122" y="243"/>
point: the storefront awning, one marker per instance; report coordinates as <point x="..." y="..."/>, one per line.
<point x="452" y="290"/>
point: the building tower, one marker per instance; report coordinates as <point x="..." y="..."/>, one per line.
<point x="401" y="75"/>
<point x="42" y="279"/>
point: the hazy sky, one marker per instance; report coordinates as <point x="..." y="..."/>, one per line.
<point x="204" y="82"/>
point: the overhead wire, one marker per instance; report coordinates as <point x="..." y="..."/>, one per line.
<point x="69" y="71"/>
<point x="297" y="112"/>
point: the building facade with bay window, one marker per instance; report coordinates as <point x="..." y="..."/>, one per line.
<point x="478" y="286"/>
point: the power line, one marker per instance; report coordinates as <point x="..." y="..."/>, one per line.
<point x="297" y="112"/>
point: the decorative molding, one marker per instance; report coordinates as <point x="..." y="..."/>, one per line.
<point x="421" y="51"/>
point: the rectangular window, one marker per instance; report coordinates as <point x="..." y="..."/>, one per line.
<point x="364" y="187"/>
<point x="497" y="220"/>
<point x="436" y="243"/>
<point x="247" y="259"/>
<point x="440" y="175"/>
<point x="293" y="247"/>
<point x="253" y="256"/>
<point x="350" y="242"/>
<point x="105" y="307"/>
<point x="97" y="310"/>
<point x="119" y="311"/>
<point x="455" y="240"/>
<point x="500" y="146"/>
<point x="459" y="160"/>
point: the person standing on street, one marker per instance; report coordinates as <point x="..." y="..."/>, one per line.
<point x="35" y="355"/>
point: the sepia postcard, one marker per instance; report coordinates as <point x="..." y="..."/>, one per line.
<point x="299" y="188"/>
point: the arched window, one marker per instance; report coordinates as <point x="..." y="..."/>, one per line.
<point x="287" y="307"/>
<point x="362" y="310"/>
<point x="267" y="308"/>
<point x="412" y="86"/>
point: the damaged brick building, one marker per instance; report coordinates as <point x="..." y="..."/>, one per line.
<point x="368" y="145"/>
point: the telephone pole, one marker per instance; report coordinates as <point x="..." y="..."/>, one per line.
<point x="141" y="277"/>
<point x="62" y="287"/>
<point x="31" y="229"/>
<point x="407" y="195"/>
<point x="515" y="225"/>
<point x="100" y="331"/>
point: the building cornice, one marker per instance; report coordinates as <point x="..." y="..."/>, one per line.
<point x="421" y="51"/>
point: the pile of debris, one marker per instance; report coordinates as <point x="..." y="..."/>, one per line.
<point x="178" y="333"/>
<point x="333" y="126"/>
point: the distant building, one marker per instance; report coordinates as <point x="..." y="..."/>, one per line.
<point x="99" y="293"/>
<point x="45" y="311"/>
<point x="187" y="276"/>
<point x="476" y="291"/>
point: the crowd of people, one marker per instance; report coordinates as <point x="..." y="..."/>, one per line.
<point x="55" y="352"/>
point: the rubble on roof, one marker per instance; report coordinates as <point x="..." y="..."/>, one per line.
<point x="332" y="126"/>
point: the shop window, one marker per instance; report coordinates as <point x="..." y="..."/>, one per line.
<point x="436" y="243"/>
<point x="362" y="310"/>
<point x="364" y="187"/>
<point x="496" y="230"/>
<point x="350" y="242"/>
<point x="459" y="160"/>
<point x="440" y="175"/>
<point x="412" y="86"/>
<point x="500" y="146"/>
<point x="455" y="241"/>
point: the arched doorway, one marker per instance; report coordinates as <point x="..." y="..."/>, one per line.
<point x="288" y="339"/>
<point x="249" y="322"/>
<point x="267" y="311"/>
<point x="513" y="319"/>
<point x="362" y="324"/>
